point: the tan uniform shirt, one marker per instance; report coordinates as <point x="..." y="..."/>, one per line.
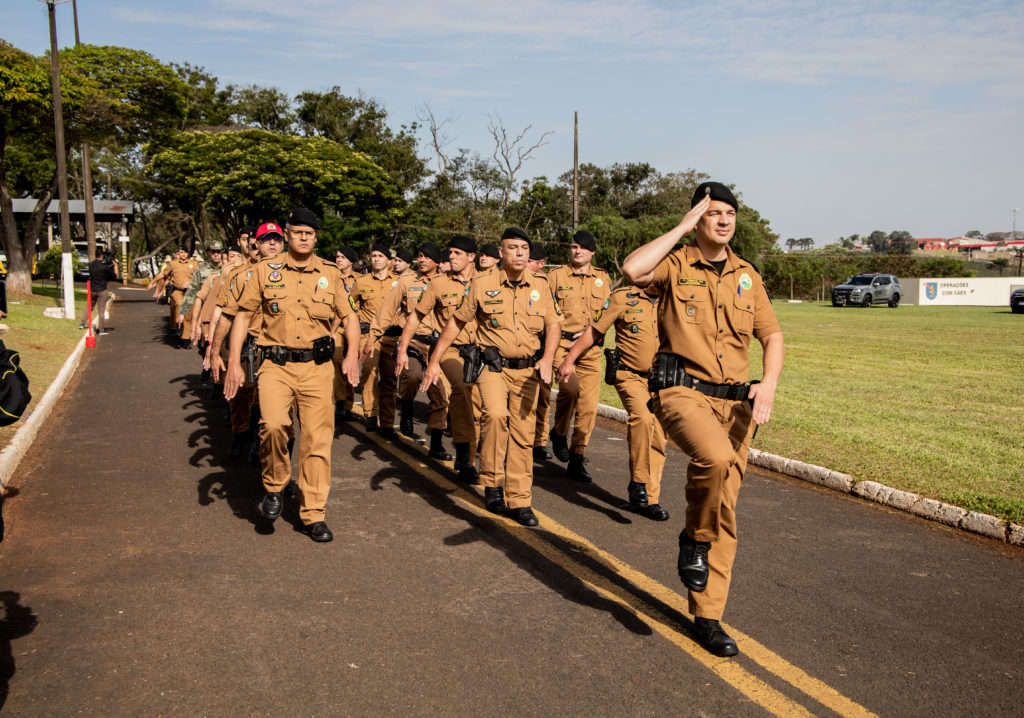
<point x="709" y="319"/>
<point x="369" y="293"/>
<point x="209" y="290"/>
<point x="510" y="318"/>
<point x="298" y="306"/>
<point x="180" y="273"/>
<point x="231" y="292"/>
<point x="633" y="313"/>
<point x="581" y="297"/>
<point x="441" y="299"/>
<point x="397" y="305"/>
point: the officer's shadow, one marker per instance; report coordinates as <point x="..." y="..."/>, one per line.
<point x="482" y="528"/>
<point x="17" y="621"/>
<point x="551" y="477"/>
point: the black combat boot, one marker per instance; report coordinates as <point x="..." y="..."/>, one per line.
<point x="559" y="445"/>
<point x="237" y="445"/>
<point x="371" y="424"/>
<point x="437" y="450"/>
<point x="576" y="469"/>
<point x="638" y="502"/>
<point x="494" y="499"/>
<point x="405" y="422"/>
<point x="714" y="638"/>
<point x="693" y="562"/>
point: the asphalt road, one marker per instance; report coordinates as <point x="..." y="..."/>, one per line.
<point x="136" y="579"/>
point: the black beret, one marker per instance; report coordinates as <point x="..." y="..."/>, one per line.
<point x="302" y="216"/>
<point x="247" y="229"/>
<point x="405" y="255"/>
<point x="14" y="394"/>
<point x="585" y="239"/>
<point x="378" y="247"/>
<point x="537" y="252"/>
<point x="491" y="250"/>
<point x="464" y="243"/>
<point x="430" y="250"/>
<point x="515" y="233"/>
<point x="181" y="248"/>
<point x="718" y="191"/>
<point x="348" y="253"/>
<point x="235" y="248"/>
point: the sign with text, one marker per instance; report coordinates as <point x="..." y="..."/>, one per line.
<point x="968" y="291"/>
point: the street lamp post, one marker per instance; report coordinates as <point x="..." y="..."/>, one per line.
<point x="62" y="169"/>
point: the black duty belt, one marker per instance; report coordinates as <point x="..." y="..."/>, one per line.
<point x="393" y="331"/>
<point x="644" y="374"/>
<point x="572" y="335"/>
<point x="179" y="289"/>
<point x="668" y="372"/>
<point x="280" y="355"/>
<point x="429" y="339"/>
<point x="524" y="363"/>
<point x="461" y="347"/>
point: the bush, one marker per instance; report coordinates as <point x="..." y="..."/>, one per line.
<point x="49" y="266"/>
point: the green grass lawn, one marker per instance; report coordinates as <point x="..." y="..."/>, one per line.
<point x="43" y="343"/>
<point x="925" y="399"/>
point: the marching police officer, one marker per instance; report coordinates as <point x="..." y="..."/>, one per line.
<point x="633" y="313"/>
<point x="711" y="303"/>
<point x="489" y="256"/>
<point x="178" y="274"/>
<point x="582" y="292"/>
<point x="538" y="258"/>
<point x="512" y="308"/>
<point x="368" y="294"/>
<point x="303" y="299"/>
<point x="344" y="395"/>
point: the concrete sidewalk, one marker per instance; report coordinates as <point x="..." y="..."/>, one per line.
<point x="138" y="580"/>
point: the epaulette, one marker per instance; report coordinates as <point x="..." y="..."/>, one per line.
<point x="754" y="266"/>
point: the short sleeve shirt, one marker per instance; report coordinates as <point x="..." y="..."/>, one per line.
<point x="633" y="313"/>
<point x="298" y="304"/>
<point x="581" y="297"/>
<point x="509" y="317"/>
<point x="442" y="297"/>
<point x="709" y="319"/>
<point x="368" y="293"/>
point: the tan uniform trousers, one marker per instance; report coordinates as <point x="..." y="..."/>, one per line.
<point x="387" y="382"/>
<point x="644" y="434"/>
<point x="578" y="397"/>
<point x="540" y="435"/>
<point x="309" y="387"/>
<point x="368" y="381"/>
<point x="463" y="402"/>
<point x="715" y="434"/>
<point x="241" y="408"/>
<point x="174" y="303"/>
<point x="507" y="425"/>
<point x="343" y="391"/>
<point x="437" y="395"/>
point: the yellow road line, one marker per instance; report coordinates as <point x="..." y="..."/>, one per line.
<point x="729" y="670"/>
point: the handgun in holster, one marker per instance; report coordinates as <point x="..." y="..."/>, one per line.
<point x="250" y="359"/>
<point x="611" y="365"/>
<point x="492" y="359"/>
<point x="323" y="350"/>
<point x="472" y="363"/>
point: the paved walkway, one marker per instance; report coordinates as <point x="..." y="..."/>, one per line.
<point x="135" y="580"/>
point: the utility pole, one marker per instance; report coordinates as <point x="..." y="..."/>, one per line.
<point x="62" y="168"/>
<point x="575" y="170"/>
<point x="90" y="216"/>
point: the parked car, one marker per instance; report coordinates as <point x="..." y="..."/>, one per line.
<point x="867" y="289"/>
<point x="1017" y="301"/>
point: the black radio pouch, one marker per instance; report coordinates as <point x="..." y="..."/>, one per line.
<point x="663" y="372"/>
<point x="492" y="359"/>
<point x="611" y="365"/>
<point x="323" y="350"/>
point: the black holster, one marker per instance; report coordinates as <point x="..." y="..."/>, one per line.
<point x="250" y="359"/>
<point x="472" y="363"/>
<point x="323" y="350"/>
<point x="611" y="365"/>
<point x="665" y="372"/>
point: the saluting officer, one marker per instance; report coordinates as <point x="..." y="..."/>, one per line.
<point x="633" y="313"/>
<point x="368" y="294"/>
<point x="512" y="308"/>
<point x="582" y="292"/>
<point x="303" y="301"/>
<point x="440" y="300"/>
<point x="711" y="303"/>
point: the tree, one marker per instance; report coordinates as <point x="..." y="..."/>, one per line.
<point x="878" y="241"/>
<point x="510" y="152"/>
<point x="361" y="123"/>
<point x="901" y="242"/>
<point x="205" y="104"/>
<point x="974" y="234"/>
<point x="999" y="264"/>
<point x="243" y="177"/>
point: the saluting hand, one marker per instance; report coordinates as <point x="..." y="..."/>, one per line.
<point x="691" y="218"/>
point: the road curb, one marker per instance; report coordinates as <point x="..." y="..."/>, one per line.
<point x="13" y="453"/>
<point x="912" y="503"/>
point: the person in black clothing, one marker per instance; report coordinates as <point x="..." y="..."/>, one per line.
<point x="101" y="271"/>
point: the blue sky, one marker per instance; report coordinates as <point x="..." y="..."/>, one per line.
<point x="830" y="118"/>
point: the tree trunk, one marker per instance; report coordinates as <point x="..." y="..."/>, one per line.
<point x="21" y="250"/>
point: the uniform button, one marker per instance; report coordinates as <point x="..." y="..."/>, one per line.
<point x="691" y="296"/>
<point x="720" y="331"/>
<point x="719" y="356"/>
<point x="721" y="306"/>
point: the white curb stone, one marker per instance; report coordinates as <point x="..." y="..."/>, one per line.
<point x="984" y="524"/>
<point x="1016" y="535"/>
